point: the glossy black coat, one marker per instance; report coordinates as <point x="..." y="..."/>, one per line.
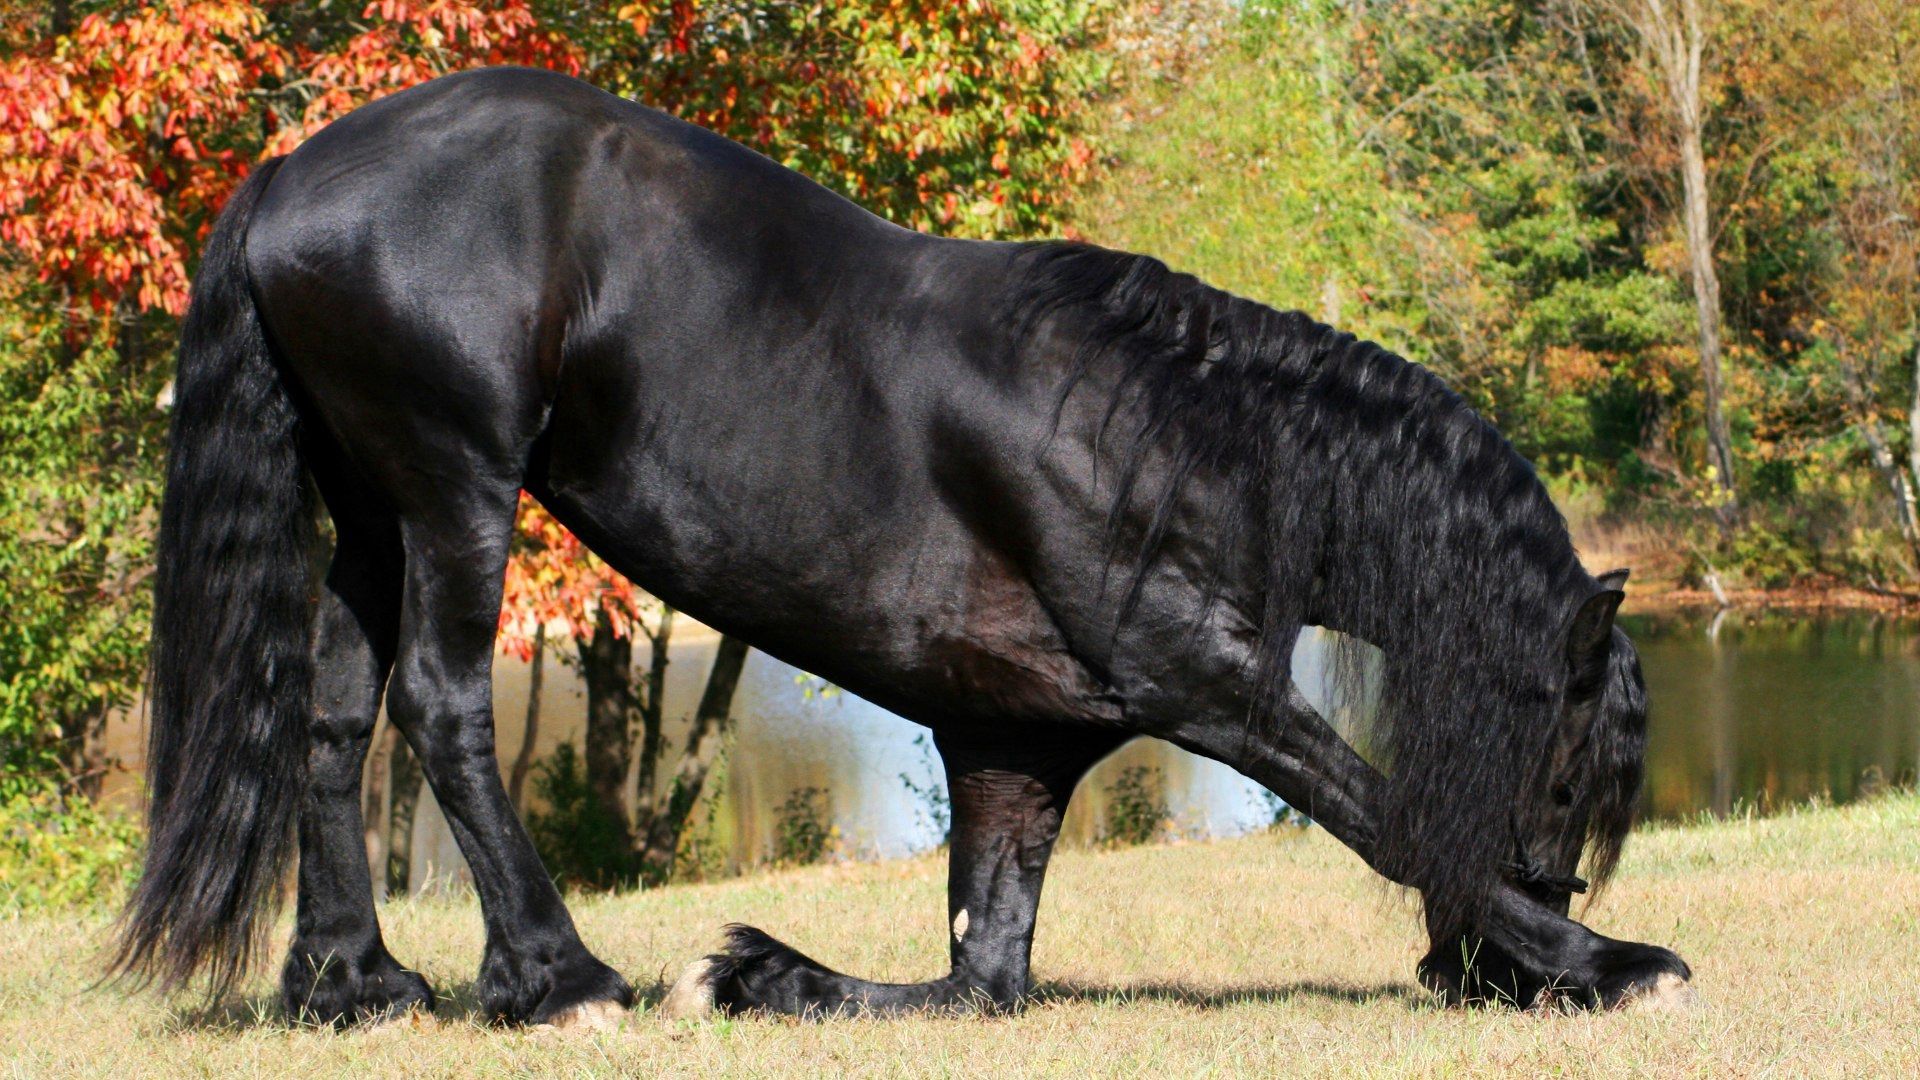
<point x="844" y="442"/>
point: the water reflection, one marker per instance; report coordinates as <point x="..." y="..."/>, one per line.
<point x="1769" y="710"/>
<point x="1773" y="710"/>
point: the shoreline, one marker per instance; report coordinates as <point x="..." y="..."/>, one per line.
<point x="1823" y="599"/>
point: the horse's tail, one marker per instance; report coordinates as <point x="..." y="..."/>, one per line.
<point x="226" y="760"/>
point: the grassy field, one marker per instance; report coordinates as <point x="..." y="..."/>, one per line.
<point x="1274" y="954"/>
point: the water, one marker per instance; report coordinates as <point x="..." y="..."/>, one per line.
<point x="1765" y="711"/>
<point x="1771" y="710"/>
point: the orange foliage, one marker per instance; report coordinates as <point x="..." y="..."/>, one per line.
<point x="114" y="145"/>
<point x="410" y="41"/>
<point x="552" y="577"/>
<point x="120" y="140"/>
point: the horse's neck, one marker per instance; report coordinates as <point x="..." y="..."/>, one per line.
<point x="1396" y="549"/>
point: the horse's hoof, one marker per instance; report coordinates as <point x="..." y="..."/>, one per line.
<point x="586" y="1017"/>
<point x="549" y="993"/>
<point x="1642" y="976"/>
<point x="692" y="995"/>
<point x="1669" y="993"/>
<point x="323" y="986"/>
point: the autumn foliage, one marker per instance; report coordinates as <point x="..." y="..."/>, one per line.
<point x="116" y="142"/>
<point x="121" y="134"/>
<point x="124" y="126"/>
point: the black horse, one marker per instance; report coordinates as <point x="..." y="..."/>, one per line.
<point x="1042" y="498"/>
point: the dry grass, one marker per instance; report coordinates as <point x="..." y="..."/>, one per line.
<point x="1275" y="954"/>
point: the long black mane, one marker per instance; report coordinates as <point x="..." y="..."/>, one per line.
<point x="1384" y="507"/>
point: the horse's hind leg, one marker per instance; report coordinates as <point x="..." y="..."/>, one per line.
<point x="338" y="969"/>
<point x="535" y="969"/>
<point x="1009" y="792"/>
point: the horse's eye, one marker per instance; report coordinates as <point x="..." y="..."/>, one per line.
<point x="1563" y="793"/>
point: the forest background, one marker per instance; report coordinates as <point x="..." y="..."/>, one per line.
<point x="1671" y="247"/>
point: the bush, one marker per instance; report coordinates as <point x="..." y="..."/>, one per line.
<point x="58" y="852"/>
<point x="1817" y="536"/>
<point x="802" y="835"/>
<point x="1136" y="808"/>
<point x="581" y="845"/>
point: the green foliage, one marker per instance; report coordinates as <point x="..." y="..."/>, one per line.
<point x="1819" y="535"/>
<point x="802" y="832"/>
<point x="932" y="804"/>
<point x="81" y="453"/>
<point x="706" y="844"/>
<point x="1247" y="175"/>
<point x="64" y="852"/>
<point x="582" y="846"/>
<point x="1136" y="807"/>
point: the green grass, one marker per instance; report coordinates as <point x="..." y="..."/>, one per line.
<point x="1274" y="954"/>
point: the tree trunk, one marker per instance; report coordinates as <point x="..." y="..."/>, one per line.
<point x="652" y="720"/>
<point x="375" y="793"/>
<point x="606" y="664"/>
<point x="673" y="804"/>
<point x="404" y="770"/>
<point x="1677" y="39"/>
<point x="523" y="761"/>
<point x="1913" y="417"/>
<point x="1882" y="454"/>
<point x="1706" y="302"/>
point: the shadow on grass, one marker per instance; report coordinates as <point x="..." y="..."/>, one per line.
<point x="254" y="1012"/>
<point x="460" y="1004"/>
<point x="1404" y="994"/>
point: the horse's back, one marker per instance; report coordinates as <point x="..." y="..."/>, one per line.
<point x="456" y="245"/>
<point x="762" y="403"/>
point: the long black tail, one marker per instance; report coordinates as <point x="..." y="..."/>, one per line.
<point x="231" y="674"/>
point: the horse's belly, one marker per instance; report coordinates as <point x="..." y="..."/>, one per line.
<point x="899" y="605"/>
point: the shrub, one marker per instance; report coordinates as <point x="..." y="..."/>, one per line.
<point x="581" y="845"/>
<point x="1136" y="807"/>
<point x="64" y="851"/>
<point x="802" y="834"/>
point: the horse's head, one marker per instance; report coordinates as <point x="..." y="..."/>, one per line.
<point x="1581" y="798"/>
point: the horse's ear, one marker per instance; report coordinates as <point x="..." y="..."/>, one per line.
<point x="1614" y="579"/>
<point x="1590" y="634"/>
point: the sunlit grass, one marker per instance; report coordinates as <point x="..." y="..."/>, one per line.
<point x="1274" y="954"/>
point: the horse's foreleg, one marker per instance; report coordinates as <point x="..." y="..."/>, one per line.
<point x="1523" y="948"/>
<point x="535" y="968"/>
<point x="1009" y="793"/>
<point x="338" y="969"/>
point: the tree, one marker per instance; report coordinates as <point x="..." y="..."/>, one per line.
<point x="124" y="125"/>
<point x="116" y="147"/>
<point x="1520" y="261"/>
<point x="1853" y="88"/>
<point x="554" y="580"/>
<point x="1675" y="34"/>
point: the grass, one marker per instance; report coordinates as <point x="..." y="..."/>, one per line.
<point x="1273" y="954"/>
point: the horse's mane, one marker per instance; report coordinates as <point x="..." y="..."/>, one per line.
<point x="1374" y="493"/>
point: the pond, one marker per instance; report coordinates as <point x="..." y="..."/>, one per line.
<point x="1757" y="710"/>
<point x="1766" y="710"/>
